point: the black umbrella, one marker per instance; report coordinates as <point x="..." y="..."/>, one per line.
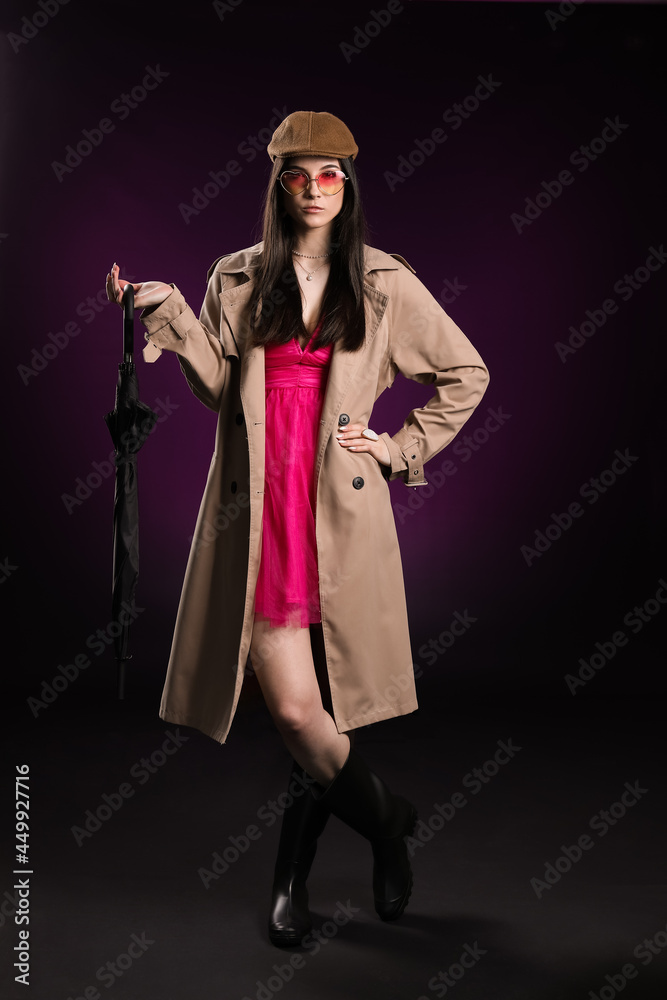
<point x="129" y="424"/>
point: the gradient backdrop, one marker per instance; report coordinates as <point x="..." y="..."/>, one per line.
<point x="523" y="256"/>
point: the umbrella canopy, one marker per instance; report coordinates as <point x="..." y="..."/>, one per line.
<point x="129" y="423"/>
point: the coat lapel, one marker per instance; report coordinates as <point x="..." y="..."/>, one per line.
<point x="347" y="368"/>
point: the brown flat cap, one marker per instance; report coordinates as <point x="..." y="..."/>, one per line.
<point x="312" y="133"/>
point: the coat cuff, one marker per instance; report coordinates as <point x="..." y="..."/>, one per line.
<point x="168" y="324"/>
<point x="406" y="459"/>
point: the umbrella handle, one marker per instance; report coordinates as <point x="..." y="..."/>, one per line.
<point x="128" y="324"/>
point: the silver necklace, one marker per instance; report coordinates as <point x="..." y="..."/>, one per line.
<point x="311" y="256"/>
<point x="309" y="274"/>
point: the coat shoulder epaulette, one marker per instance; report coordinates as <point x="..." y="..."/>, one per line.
<point x="403" y="261"/>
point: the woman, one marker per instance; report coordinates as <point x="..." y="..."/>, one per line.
<point x="295" y="547"/>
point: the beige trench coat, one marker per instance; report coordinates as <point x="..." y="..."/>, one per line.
<point x="364" y="619"/>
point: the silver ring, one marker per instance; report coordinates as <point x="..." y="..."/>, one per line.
<point x="371" y="435"/>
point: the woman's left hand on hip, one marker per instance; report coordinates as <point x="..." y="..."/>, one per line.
<point x="351" y="437"/>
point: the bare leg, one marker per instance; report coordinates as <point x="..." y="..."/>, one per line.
<point x="283" y="662"/>
<point x="285" y="668"/>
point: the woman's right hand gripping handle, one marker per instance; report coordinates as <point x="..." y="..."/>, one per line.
<point x="146" y="293"/>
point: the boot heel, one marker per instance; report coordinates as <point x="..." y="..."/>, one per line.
<point x="391" y="909"/>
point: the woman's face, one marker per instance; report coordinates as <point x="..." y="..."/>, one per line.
<point x="311" y="210"/>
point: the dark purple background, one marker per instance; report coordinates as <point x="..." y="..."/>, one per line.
<point x="450" y="220"/>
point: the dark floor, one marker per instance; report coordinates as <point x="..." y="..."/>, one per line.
<point x="136" y="881"/>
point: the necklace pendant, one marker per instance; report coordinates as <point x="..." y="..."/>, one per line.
<point x="309" y="278"/>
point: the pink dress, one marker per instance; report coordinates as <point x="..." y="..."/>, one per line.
<point x="288" y="584"/>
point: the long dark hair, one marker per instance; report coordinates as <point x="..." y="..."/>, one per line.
<point x="276" y="308"/>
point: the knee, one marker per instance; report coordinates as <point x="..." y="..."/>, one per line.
<point x="294" y="718"/>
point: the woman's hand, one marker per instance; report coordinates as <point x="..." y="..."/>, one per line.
<point x="350" y="437"/>
<point x="146" y="293"/>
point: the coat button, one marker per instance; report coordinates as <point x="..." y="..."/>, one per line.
<point x="239" y="418"/>
<point x="233" y="487"/>
<point x="343" y="420"/>
<point x="357" y="482"/>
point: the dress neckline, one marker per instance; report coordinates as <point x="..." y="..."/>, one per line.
<point x="310" y="339"/>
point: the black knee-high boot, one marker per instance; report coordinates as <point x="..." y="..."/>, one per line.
<point x="361" y="800"/>
<point x="303" y="822"/>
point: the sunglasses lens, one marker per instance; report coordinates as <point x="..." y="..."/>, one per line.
<point x="329" y="181"/>
<point x="293" y="181"/>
